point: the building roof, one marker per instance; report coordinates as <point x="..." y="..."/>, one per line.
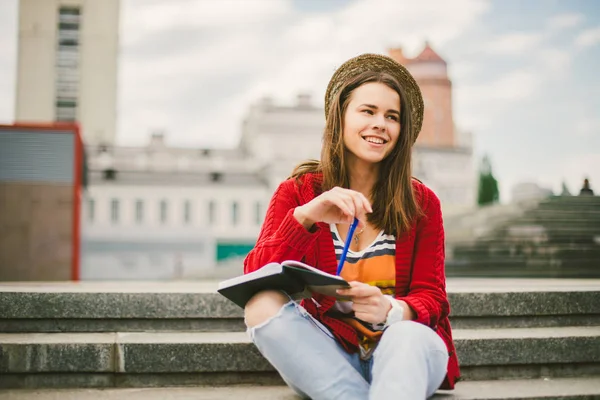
<point x="428" y="55"/>
<point x="175" y="178"/>
<point x="397" y="55"/>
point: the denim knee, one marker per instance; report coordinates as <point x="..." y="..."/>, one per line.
<point x="412" y="334"/>
<point x="287" y="307"/>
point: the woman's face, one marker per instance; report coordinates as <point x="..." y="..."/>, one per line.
<point x="371" y="122"/>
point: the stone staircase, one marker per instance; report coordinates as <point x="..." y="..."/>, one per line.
<point x="558" y="237"/>
<point x="533" y="339"/>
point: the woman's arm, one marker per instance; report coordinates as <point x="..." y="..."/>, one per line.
<point x="281" y="236"/>
<point x="427" y="292"/>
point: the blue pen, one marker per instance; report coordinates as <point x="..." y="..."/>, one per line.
<point x="347" y="245"/>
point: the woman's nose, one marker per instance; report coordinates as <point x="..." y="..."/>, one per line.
<point x="379" y="122"/>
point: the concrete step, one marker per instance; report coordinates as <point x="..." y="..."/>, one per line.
<point x="535" y="389"/>
<point x="568" y="213"/>
<point x="184" y="358"/>
<point x="503" y="267"/>
<point x="195" y="305"/>
<point x="572" y="201"/>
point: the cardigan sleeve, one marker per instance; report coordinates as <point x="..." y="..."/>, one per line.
<point x="281" y="236"/>
<point x="427" y="291"/>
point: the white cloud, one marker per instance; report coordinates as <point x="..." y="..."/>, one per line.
<point x="564" y="21"/>
<point x="555" y="61"/>
<point x="514" y="43"/>
<point x="587" y="127"/>
<point x="588" y="38"/>
<point x="510" y="87"/>
<point x="515" y="85"/>
<point x="142" y="17"/>
<point x="195" y="72"/>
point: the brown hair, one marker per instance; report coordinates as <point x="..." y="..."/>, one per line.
<point x="393" y="199"/>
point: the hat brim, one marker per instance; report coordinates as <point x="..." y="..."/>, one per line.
<point x="379" y="63"/>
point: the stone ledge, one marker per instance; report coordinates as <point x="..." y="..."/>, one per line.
<point x="119" y="306"/>
<point x="574" y="388"/>
<point x="146" y="353"/>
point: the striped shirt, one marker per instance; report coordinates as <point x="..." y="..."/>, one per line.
<point x="375" y="265"/>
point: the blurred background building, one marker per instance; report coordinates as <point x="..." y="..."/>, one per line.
<point x="159" y="211"/>
<point x="204" y="207"/>
<point x="67" y="64"/>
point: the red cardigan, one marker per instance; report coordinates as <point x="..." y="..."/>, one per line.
<point x="420" y="277"/>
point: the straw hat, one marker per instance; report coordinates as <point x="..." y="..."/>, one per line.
<point x="378" y="63"/>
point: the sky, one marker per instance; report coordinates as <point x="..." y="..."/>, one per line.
<point x="524" y="72"/>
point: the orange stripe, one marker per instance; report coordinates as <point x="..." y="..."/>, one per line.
<point x="380" y="271"/>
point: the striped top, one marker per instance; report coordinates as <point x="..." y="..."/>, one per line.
<point x="375" y="265"/>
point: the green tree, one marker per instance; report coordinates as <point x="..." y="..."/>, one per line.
<point x="488" y="186"/>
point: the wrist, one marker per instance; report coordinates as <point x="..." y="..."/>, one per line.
<point x="395" y="312"/>
<point x="302" y="219"/>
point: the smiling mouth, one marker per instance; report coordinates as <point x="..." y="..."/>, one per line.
<point x="374" y="140"/>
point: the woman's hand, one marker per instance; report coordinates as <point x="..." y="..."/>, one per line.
<point x="369" y="304"/>
<point x="335" y="206"/>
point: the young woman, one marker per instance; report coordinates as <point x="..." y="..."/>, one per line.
<point x="393" y="340"/>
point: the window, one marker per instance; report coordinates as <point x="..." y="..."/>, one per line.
<point x="91" y="210"/>
<point x="66" y="103"/>
<point x="65" y="115"/>
<point x="114" y="211"/>
<point x="68" y="26"/>
<point x="235" y="213"/>
<point x="67" y="62"/>
<point x="187" y="212"/>
<point x="139" y="211"/>
<point x="65" y="10"/>
<point x="67" y="77"/>
<point x="68" y="42"/>
<point x="109" y="174"/>
<point x="216" y="176"/>
<point x="258" y="216"/>
<point x="71" y="35"/>
<point x="163" y="211"/>
<point x="212" y="210"/>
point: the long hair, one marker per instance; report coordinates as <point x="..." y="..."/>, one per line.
<point x="395" y="207"/>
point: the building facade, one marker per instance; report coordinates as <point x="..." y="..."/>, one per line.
<point x="158" y="212"/>
<point x="67" y="65"/>
<point x="194" y="212"/>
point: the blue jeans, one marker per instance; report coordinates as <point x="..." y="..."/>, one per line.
<point x="409" y="362"/>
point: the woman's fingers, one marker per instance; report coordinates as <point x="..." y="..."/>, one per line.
<point x="366" y="203"/>
<point x="359" y="207"/>
<point x="356" y="202"/>
<point x="345" y="206"/>
<point x="339" y="205"/>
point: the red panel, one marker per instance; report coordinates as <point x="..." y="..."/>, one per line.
<point x="77" y="181"/>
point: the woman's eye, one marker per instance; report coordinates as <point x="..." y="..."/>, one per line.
<point x="393" y="117"/>
<point x="370" y="112"/>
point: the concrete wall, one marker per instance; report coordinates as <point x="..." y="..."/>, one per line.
<point x="36" y="240"/>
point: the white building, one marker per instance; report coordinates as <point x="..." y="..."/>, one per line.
<point x="192" y="212"/>
<point x="159" y="212"/>
<point x="280" y="137"/>
<point x="67" y="64"/>
<point x="449" y="172"/>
